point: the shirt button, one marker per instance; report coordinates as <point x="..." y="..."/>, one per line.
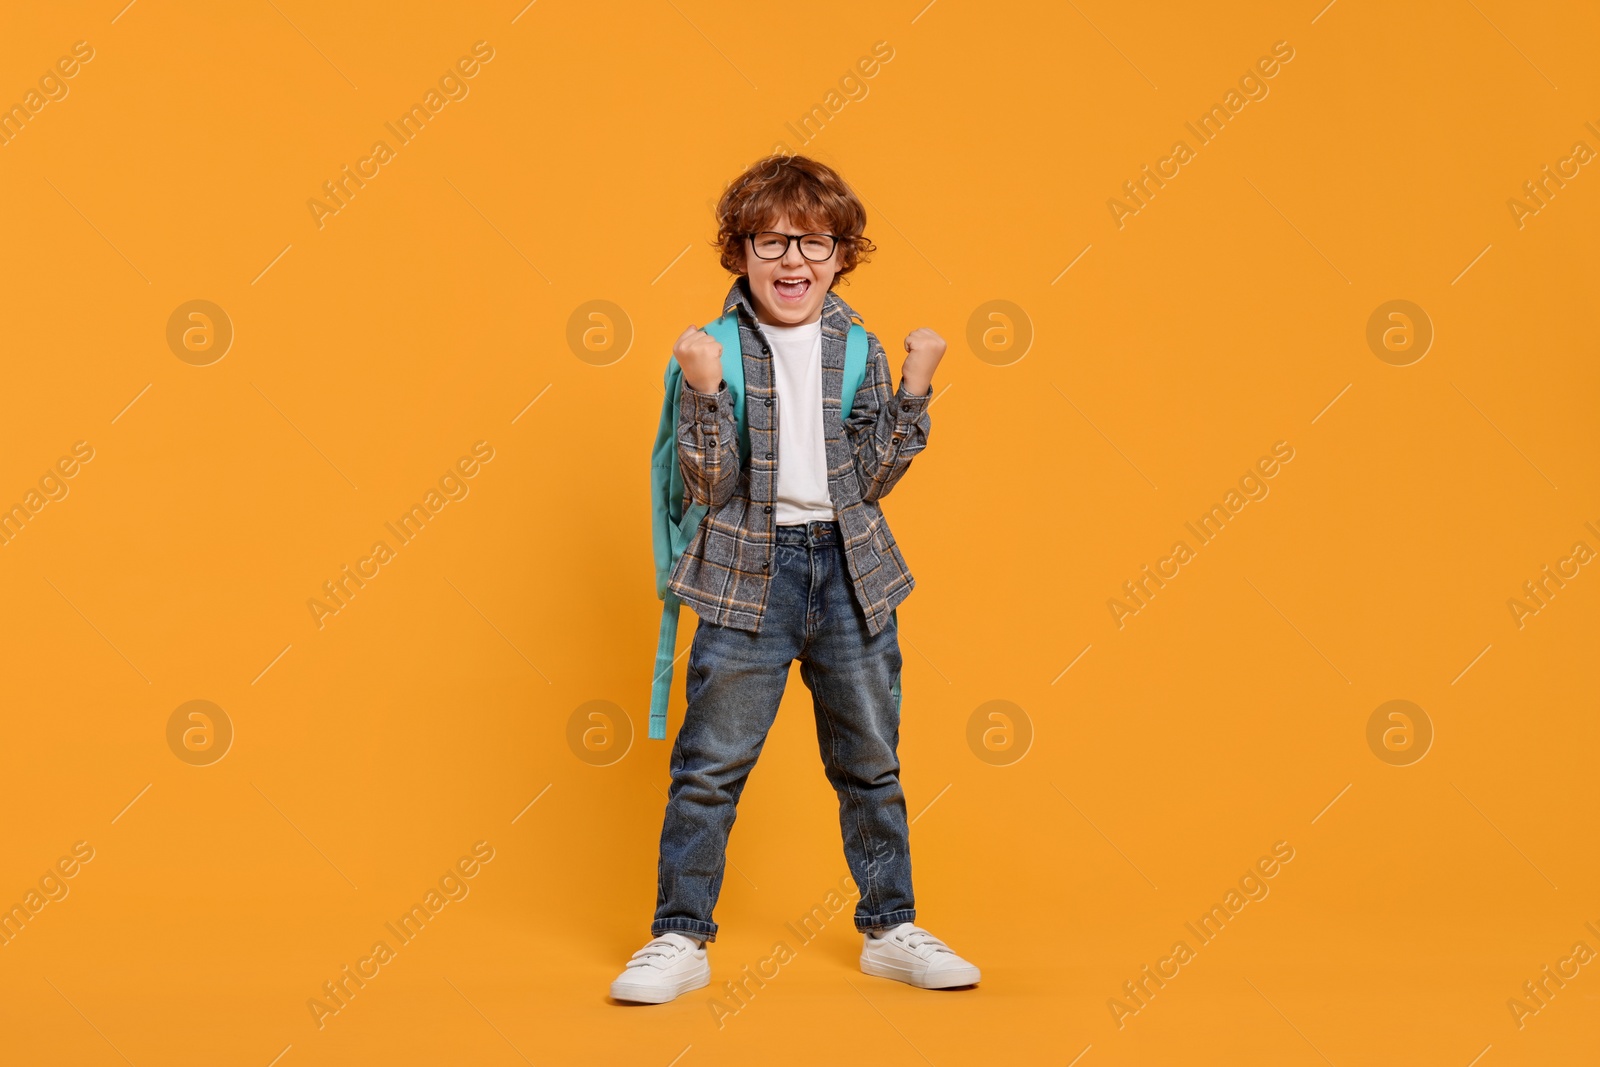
<point x="769" y="403"/>
<point x="769" y="455"/>
<point x="769" y="507"/>
<point x="711" y="407"/>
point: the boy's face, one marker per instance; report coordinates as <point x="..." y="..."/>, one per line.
<point x="789" y="291"/>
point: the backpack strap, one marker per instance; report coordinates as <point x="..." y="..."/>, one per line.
<point x="661" y="684"/>
<point x="855" y="366"/>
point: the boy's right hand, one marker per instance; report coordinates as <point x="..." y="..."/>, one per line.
<point x="700" y="356"/>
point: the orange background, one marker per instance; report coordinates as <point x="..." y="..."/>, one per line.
<point x="371" y="353"/>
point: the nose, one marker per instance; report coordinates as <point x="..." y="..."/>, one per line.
<point x="792" y="256"/>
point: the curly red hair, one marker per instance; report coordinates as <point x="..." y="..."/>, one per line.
<point x="812" y="194"/>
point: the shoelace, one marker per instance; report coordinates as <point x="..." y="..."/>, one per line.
<point x="657" y="953"/>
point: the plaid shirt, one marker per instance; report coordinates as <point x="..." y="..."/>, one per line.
<point x="724" y="573"/>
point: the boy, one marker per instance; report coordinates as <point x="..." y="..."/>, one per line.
<point x="794" y="560"/>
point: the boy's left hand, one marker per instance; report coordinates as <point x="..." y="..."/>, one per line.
<point x="924" y="350"/>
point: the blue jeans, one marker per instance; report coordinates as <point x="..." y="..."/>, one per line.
<point x="735" y="681"/>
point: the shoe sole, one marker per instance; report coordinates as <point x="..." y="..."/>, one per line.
<point x="653" y="994"/>
<point x="945" y="979"/>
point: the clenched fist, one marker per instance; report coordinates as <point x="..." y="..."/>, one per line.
<point x="924" y="349"/>
<point x="700" y="356"/>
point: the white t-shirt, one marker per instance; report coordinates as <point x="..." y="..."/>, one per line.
<point x="802" y="452"/>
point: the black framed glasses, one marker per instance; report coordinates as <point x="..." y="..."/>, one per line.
<point x="769" y="244"/>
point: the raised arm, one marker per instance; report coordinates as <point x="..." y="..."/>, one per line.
<point x="708" y="436"/>
<point x="887" y="426"/>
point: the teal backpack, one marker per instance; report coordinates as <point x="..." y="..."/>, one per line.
<point x="672" y="526"/>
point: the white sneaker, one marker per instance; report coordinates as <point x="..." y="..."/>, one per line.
<point x="908" y="953"/>
<point x="669" y="965"/>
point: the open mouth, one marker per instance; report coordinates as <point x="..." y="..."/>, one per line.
<point x="792" y="289"/>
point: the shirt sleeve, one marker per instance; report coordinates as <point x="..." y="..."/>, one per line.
<point x="887" y="426"/>
<point x="708" y="444"/>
